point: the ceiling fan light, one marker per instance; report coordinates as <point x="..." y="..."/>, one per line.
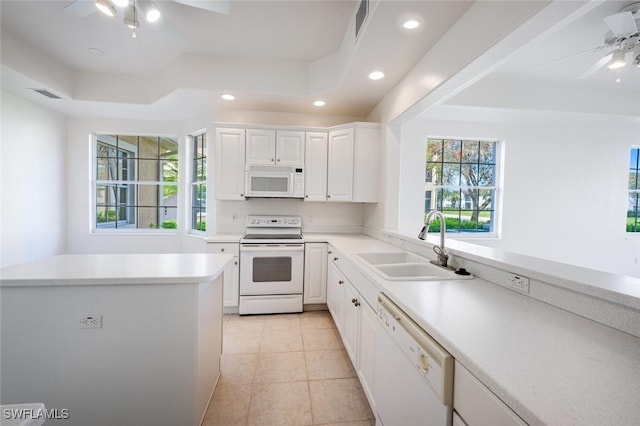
<point x="617" y="60"/>
<point x="106" y="7"/>
<point x="152" y="13"/>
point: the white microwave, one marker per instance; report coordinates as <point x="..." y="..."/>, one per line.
<point x="274" y="182"/>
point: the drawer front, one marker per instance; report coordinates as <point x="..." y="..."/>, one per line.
<point x="226" y="248"/>
<point x="476" y="404"/>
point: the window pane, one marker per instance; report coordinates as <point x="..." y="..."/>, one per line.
<point x="452" y="151"/>
<point x="487" y="152"/>
<point x="434" y="173"/>
<point x="148" y="147"/>
<point x="434" y="150"/>
<point x="633" y="223"/>
<point x="168" y="217"/>
<point x="633" y="161"/>
<point x="148" y="170"/>
<point x="169" y="170"/>
<point x="633" y="179"/>
<point x="147" y="218"/>
<point x="168" y="147"/>
<point x="451" y="174"/>
<point x="470" y="151"/>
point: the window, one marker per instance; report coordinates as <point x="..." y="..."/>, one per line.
<point x="633" y="215"/>
<point x="136" y="182"/>
<point x="461" y="183"/>
<point x="199" y="183"/>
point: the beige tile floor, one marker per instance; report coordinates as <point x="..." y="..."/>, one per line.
<point x="287" y="369"/>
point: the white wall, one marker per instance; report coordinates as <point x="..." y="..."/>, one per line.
<point x="80" y="174"/>
<point x="32" y="192"/>
<point x="565" y="187"/>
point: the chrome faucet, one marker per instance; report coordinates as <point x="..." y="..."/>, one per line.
<point x="443" y="256"/>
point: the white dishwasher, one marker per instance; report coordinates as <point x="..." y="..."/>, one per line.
<point x="413" y="383"/>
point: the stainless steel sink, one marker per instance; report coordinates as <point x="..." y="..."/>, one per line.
<point x="404" y="266"/>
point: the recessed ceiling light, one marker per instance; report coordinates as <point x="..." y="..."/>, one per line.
<point x="319" y="103"/>
<point x="376" y="75"/>
<point x="411" y="24"/>
<point x="153" y="14"/>
<point x="228" y="97"/>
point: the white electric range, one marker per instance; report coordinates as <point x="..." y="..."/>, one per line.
<point x="271" y="265"/>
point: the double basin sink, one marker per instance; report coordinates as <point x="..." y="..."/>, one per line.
<point x="405" y="266"/>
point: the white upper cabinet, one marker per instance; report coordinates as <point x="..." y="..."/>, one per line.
<point x="290" y="148"/>
<point x="315" y="172"/>
<point x="353" y="161"/>
<point x="340" y="165"/>
<point x="261" y="147"/>
<point x="268" y="147"/>
<point x="229" y="161"/>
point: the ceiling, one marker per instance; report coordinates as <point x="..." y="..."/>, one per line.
<point x="275" y="56"/>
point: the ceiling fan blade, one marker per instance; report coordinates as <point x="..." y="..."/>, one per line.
<point x="595" y="67"/>
<point x="81" y="8"/>
<point x="622" y="23"/>
<point x="218" y="6"/>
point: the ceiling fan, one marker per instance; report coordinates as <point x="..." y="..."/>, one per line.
<point x="84" y="8"/>
<point x="134" y="9"/>
<point x="624" y="39"/>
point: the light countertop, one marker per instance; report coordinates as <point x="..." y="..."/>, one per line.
<point x="550" y="366"/>
<point x="104" y="269"/>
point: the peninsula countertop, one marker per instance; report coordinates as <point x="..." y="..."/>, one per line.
<point x="550" y="366"/>
<point x="112" y="269"/>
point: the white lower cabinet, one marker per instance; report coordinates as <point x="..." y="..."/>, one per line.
<point x="475" y="404"/>
<point x="355" y="320"/>
<point x="231" y="279"/>
<point x="315" y="273"/>
<point x="335" y="291"/>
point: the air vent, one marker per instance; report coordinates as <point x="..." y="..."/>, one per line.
<point x="361" y="15"/>
<point x="47" y="93"/>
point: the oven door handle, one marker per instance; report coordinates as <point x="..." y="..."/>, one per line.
<point x="271" y="247"/>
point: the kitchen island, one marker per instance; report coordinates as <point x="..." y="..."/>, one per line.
<point x="113" y="339"/>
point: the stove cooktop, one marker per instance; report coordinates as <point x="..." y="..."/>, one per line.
<point x="272" y="237"/>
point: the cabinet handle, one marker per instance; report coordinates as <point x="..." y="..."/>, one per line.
<point x="340" y="282"/>
<point x="328" y="195"/>
<point x="242" y="195"/>
<point x="335" y="258"/>
<point x="278" y="160"/>
<point x="272" y="160"/>
<point x="222" y="249"/>
<point x="235" y="263"/>
<point x="306" y="196"/>
<point x="330" y="252"/>
<point x="355" y="302"/>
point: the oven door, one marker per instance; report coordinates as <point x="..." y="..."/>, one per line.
<point x="271" y="268"/>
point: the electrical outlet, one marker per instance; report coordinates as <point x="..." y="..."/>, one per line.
<point x="91" y="321"/>
<point x="518" y="282"/>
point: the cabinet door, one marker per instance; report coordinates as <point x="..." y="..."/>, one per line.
<point x="340" y="165"/>
<point x="335" y="294"/>
<point x="351" y="325"/>
<point x="366" y="350"/>
<point x="315" y="273"/>
<point x="315" y="173"/>
<point x="290" y="148"/>
<point x="261" y="147"/>
<point x="229" y="161"/>
<point x="231" y="284"/>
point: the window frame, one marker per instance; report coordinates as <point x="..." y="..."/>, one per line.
<point x="194" y="183"/>
<point x="636" y="191"/>
<point x="497" y="186"/>
<point x="133" y="184"/>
